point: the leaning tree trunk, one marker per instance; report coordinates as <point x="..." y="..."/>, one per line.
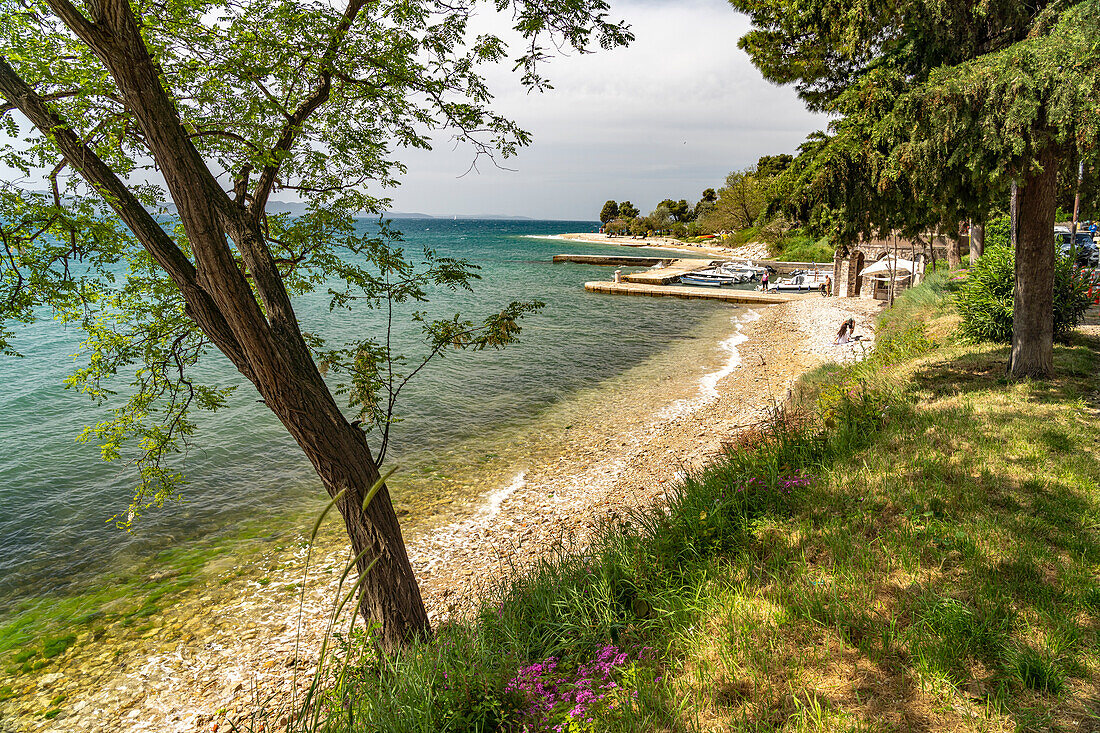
<point x="389" y="596"/>
<point x="266" y="344"/>
<point x="1033" y="297"/>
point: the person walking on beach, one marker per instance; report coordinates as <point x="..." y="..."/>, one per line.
<point x="764" y="281"/>
<point x="827" y="287"/>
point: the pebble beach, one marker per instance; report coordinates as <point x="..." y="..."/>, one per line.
<point x="255" y="655"/>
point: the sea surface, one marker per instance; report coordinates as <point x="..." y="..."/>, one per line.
<point x="460" y="416"/>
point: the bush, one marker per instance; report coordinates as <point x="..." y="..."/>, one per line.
<point x="997" y="232"/>
<point x="800" y="248"/>
<point x="985" y="301"/>
<point x="744" y="236"/>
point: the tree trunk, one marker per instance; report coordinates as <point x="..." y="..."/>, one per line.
<point x="977" y="242"/>
<point x="389" y="594"/>
<point x="1014" y="216"/>
<point x="265" y="344"/>
<point x="1033" y="297"/>
<point x="954" y="251"/>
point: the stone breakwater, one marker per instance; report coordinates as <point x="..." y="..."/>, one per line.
<point x="248" y="645"/>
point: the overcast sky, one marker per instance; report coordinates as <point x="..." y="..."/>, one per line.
<point x="667" y="117"/>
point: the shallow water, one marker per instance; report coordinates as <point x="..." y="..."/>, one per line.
<point x="471" y="420"/>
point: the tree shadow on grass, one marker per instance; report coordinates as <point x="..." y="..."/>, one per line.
<point x="993" y="513"/>
<point x="1076" y="373"/>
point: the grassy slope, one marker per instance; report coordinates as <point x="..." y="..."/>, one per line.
<point x="918" y="548"/>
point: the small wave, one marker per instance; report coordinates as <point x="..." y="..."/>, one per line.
<point x="493" y="501"/>
<point x="708" y="383"/>
<point x="543" y="236"/>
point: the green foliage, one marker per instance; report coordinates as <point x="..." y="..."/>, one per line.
<point x="998" y="232"/>
<point x="301" y="97"/>
<point x="985" y="300"/>
<point x="680" y="211"/>
<point x="770" y="166"/>
<point x="937" y="105"/>
<point x="628" y="211"/>
<point x="740" y="202"/>
<point x="744" y="236"/>
<point x="610" y="211"/>
<point x="797" y="247"/>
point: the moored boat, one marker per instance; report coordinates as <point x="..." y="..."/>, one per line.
<point x="803" y="282"/>
<point x="713" y="277"/>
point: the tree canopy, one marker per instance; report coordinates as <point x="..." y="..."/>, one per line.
<point x="939" y="106"/>
<point x="609" y="211"/>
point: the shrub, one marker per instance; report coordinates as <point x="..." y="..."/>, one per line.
<point x="744" y="236"/>
<point x="997" y="232"/>
<point x="985" y="300"/>
<point x="801" y="248"/>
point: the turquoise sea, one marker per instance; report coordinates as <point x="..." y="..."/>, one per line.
<point x="57" y="496"/>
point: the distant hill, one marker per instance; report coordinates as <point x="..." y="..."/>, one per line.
<point x="463" y="217"/>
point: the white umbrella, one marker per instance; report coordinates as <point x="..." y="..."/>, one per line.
<point x="887" y="265"/>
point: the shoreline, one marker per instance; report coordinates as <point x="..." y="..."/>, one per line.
<point x="750" y="251"/>
<point x="247" y="658"/>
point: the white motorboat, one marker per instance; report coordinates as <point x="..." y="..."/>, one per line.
<point x="713" y="277"/>
<point x="803" y="282"/>
<point x="746" y="270"/>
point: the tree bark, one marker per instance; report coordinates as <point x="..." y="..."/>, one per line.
<point x="389" y="595"/>
<point x="977" y="242"/>
<point x="954" y="250"/>
<point x="1033" y="297"/>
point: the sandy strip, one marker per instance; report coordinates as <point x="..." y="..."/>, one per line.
<point x="244" y="658"/>
<point x="751" y="251"/>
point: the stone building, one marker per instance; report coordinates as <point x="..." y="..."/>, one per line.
<point x="851" y="260"/>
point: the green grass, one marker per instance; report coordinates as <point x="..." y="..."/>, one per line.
<point x="797" y="247"/>
<point x="915" y="547"/>
<point x="744" y="236"/>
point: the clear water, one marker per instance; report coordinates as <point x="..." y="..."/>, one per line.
<point x="461" y="415"/>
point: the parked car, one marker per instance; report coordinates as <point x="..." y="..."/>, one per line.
<point x="1087" y="251"/>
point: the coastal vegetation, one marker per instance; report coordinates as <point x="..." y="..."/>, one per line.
<point x="910" y="544"/>
<point x="747" y="208"/>
<point x="231" y="104"/>
<point x="942" y="111"/>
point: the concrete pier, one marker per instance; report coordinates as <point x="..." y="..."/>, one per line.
<point x="691" y="293"/>
<point x="614" y="260"/>
<point x="667" y="274"/>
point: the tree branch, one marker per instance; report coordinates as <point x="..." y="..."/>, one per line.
<point x="293" y="126"/>
<point x="200" y="305"/>
<point x="5" y="108"/>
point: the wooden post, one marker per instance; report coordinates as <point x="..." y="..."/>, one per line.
<point x="1076" y="212"/>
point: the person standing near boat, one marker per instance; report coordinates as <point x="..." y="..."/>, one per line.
<point x="764" y="281"/>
